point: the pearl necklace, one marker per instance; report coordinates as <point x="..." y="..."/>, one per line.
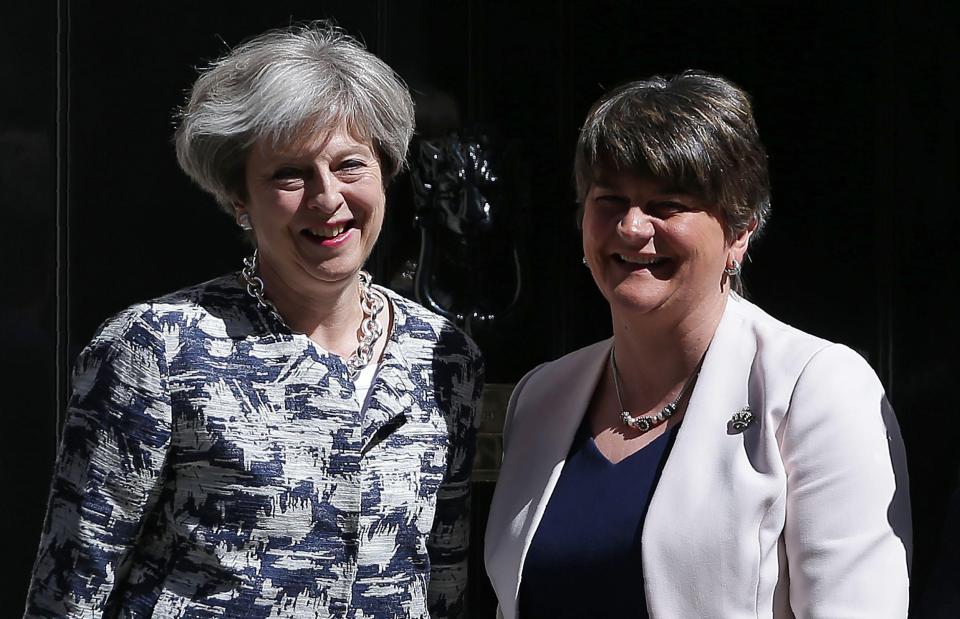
<point x="645" y="423"/>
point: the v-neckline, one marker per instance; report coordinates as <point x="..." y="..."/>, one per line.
<point x="595" y="449"/>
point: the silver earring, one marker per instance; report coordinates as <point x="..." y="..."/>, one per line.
<point x="244" y="222"/>
<point x="585" y="262"/>
<point x="734" y="270"/>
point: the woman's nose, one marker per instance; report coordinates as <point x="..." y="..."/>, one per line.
<point x="325" y="195"/>
<point x="635" y="224"/>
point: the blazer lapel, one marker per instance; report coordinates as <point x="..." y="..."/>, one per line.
<point x="391" y="396"/>
<point x="688" y="527"/>
<point x="539" y="440"/>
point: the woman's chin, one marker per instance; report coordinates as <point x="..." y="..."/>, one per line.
<point x="629" y="299"/>
<point x="636" y="306"/>
<point x="327" y="274"/>
<point x="310" y="274"/>
<point x="330" y="263"/>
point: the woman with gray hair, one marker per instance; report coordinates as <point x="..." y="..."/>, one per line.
<point x="289" y="440"/>
<point x="707" y="460"/>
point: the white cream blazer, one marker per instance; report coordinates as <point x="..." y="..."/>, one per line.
<point x="804" y="513"/>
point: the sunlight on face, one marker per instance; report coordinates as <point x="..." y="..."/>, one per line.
<point x="316" y="207"/>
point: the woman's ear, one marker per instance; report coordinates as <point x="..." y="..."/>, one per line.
<point x="741" y="242"/>
<point x="241" y="216"/>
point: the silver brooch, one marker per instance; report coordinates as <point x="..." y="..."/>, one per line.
<point x="740" y="420"/>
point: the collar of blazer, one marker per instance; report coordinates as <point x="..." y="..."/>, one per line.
<point x="544" y="415"/>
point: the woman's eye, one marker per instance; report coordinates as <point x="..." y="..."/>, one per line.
<point x="669" y="207"/>
<point x="289" y="179"/>
<point x="287" y="174"/>
<point x="350" y="165"/>
<point x="611" y="199"/>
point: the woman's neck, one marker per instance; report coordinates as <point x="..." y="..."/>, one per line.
<point x="329" y="313"/>
<point x="659" y="353"/>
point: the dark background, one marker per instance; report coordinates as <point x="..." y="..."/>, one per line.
<point x="856" y="102"/>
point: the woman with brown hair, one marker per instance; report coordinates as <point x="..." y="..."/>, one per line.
<point x="707" y="460"/>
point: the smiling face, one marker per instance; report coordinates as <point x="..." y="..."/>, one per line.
<point x="654" y="249"/>
<point x="316" y="209"/>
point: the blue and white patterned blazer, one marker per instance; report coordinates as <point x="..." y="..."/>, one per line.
<point x="214" y="464"/>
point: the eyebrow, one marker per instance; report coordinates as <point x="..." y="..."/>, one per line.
<point x="356" y="149"/>
<point x="309" y="147"/>
<point x="608" y="184"/>
<point x="604" y="182"/>
<point x="674" y="190"/>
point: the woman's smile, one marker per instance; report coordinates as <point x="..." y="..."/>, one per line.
<point x="329" y="235"/>
<point x="656" y="265"/>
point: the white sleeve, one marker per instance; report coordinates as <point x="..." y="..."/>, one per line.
<point x="847" y="531"/>
<point x="512" y="404"/>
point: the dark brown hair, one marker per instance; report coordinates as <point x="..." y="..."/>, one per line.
<point x="695" y="131"/>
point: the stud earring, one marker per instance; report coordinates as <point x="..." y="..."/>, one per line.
<point x="243" y="220"/>
<point x="585" y="263"/>
<point x="734" y="269"/>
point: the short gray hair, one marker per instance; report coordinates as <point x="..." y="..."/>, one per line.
<point x="282" y="85"/>
<point x="694" y="130"/>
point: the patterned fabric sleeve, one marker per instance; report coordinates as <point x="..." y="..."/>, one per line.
<point x="449" y="540"/>
<point x="109" y="469"/>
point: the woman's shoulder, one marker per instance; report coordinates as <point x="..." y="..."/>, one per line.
<point x="570" y="378"/>
<point x="587" y="356"/>
<point x="219" y="292"/>
<point x="413" y="316"/>
<point x="165" y="313"/>
<point x="414" y="322"/>
<point x="790" y="353"/>
<point x="575" y="368"/>
<point x="772" y="333"/>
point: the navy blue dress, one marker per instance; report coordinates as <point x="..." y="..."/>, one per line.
<point x="584" y="560"/>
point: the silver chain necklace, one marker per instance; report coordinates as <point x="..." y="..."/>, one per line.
<point x="645" y="423"/>
<point x="371" y="304"/>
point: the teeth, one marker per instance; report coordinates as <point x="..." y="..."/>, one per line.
<point x="326" y="232"/>
<point x="641" y="260"/>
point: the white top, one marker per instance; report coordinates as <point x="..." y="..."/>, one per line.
<point x="364" y="380"/>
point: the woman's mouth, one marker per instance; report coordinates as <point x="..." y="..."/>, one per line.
<point x="328" y="235"/>
<point x="639" y="261"/>
<point x="655" y="265"/>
